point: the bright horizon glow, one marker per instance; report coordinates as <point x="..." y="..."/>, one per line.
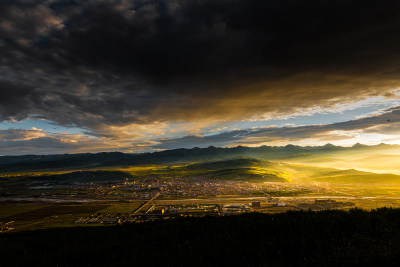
<point x="155" y="137"/>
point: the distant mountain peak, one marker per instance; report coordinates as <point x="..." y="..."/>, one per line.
<point x="290" y="145"/>
<point x="329" y="145"/>
<point x="358" y="145"/>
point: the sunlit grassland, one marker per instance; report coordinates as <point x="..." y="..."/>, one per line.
<point x="23" y="174"/>
<point x="376" y="162"/>
<point x="160" y="171"/>
<point x="368" y="190"/>
<point x="303" y="173"/>
<point x="239" y="169"/>
<point x="266" y="171"/>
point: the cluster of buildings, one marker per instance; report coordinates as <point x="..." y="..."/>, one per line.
<point x="235" y="208"/>
<point x="6" y="226"/>
<point x="169" y="211"/>
<point x="166" y="212"/>
<point x="102" y="218"/>
<point x="332" y="204"/>
<point x="184" y="209"/>
<point x="173" y="188"/>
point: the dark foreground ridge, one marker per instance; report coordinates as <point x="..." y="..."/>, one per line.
<point x="327" y="238"/>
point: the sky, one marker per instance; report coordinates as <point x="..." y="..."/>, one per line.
<point x="137" y="76"/>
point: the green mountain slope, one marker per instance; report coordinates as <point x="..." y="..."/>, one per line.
<point x="235" y="169"/>
<point x="289" y="153"/>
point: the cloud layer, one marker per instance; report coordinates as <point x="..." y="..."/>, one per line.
<point x="387" y="123"/>
<point x="118" y="62"/>
<point x="36" y="141"/>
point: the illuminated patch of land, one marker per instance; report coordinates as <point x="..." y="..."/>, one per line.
<point x="152" y="192"/>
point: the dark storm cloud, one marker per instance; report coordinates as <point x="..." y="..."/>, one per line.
<point x="43" y="145"/>
<point x="16" y="99"/>
<point x="116" y="62"/>
<point x="388" y="122"/>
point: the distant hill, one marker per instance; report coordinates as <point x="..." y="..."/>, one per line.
<point x="246" y="169"/>
<point x="226" y="164"/>
<point x="112" y="159"/>
<point x="240" y="169"/>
